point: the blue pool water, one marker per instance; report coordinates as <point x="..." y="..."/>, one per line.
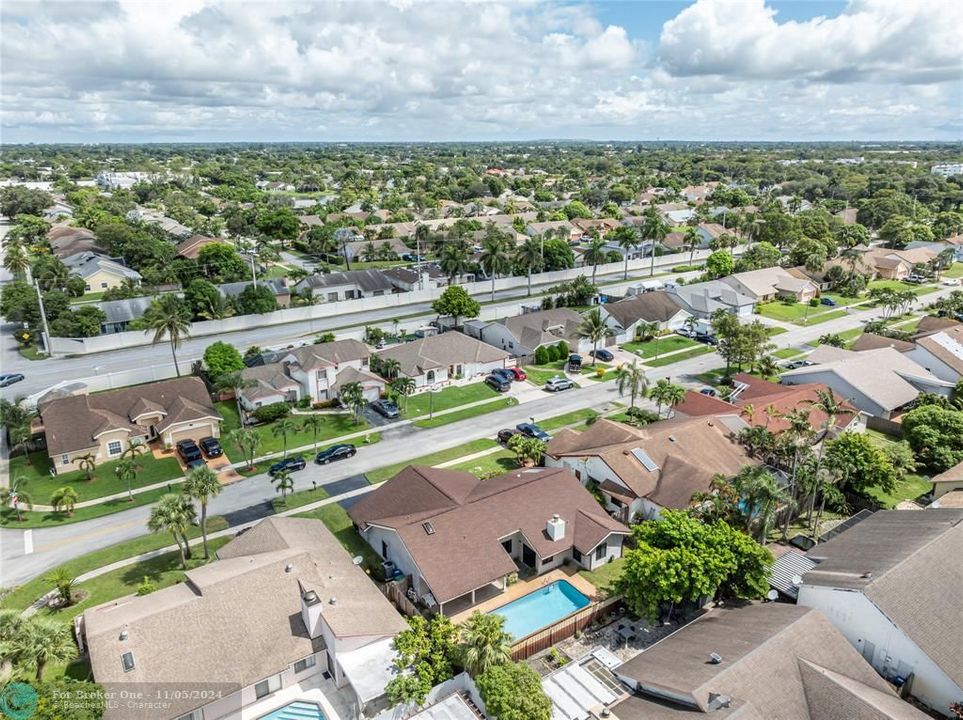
<point x="298" y="710"/>
<point x="540" y="608"/>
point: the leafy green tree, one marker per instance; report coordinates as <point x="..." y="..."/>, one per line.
<point x="201" y="484"/>
<point x="859" y="463"/>
<point x="456" y="303"/>
<point x="43" y="641"/>
<point x="454" y="259"/>
<point x="557" y="254"/>
<point x="483" y="643"/>
<point x="576" y="209"/>
<point x="256" y="300"/>
<point x="593" y="328"/>
<point x="352" y="397"/>
<point x="20" y="200"/>
<point x="513" y="691"/>
<point x="278" y="222"/>
<point x="64" y="498"/>
<point x="936" y="436"/>
<point x="221" y="263"/>
<point x="222" y="358"/>
<point x="426" y="654"/>
<point x="719" y="264"/>
<point x="169" y="317"/>
<point x="528" y="450"/>
<point x="248" y="441"/>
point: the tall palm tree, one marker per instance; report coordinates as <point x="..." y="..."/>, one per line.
<point x="87" y="464"/>
<point x="64" y="499"/>
<point x="530" y="258"/>
<point x="454" y="259"/>
<point x="631" y="379"/>
<point x="594" y="328"/>
<point x="248" y="441"/>
<point x="691" y="242"/>
<point x="216" y="307"/>
<point x="495" y="259"/>
<point x="44" y="641"/>
<point x="235" y="382"/>
<point x="126" y="471"/>
<point x="827" y="404"/>
<point x="17" y="496"/>
<point x="627" y="238"/>
<point x="282" y="428"/>
<point x="173" y="514"/>
<point x="665" y="393"/>
<point x="760" y="495"/>
<point x="283" y="482"/>
<point x="168" y="317"/>
<point x="352" y="397"/>
<point x="389" y="367"/>
<point x="202" y="484"/>
<point x="133" y="450"/>
<point x="594" y="255"/>
<point x="314" y="423"/>
<point x="17" y="260"/>
<point x="484" y="643"/>
<point x="404" y="386"/>
<point x="654" y="229"/>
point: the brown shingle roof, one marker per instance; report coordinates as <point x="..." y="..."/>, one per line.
<point x="191" y="247"/>
<point x="657" y="306"/>
<point x="440" y="351"/>
<point x="311" y="357"/>
<point x="871" y="341"/>
<point x="931" y="324"/>
<point x="469" y="517"/>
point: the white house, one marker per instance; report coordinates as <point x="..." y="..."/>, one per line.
<point x="625" y="316"/>
<point x="892" y="585"/>
<point x="704" y="298"/>
<point x="348" y="285"/>
<point x="941" y="353"/>
<point x="524" y="334"/>
<point x="443" y="358"/>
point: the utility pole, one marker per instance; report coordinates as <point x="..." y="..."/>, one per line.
<point x="45" y="335"/>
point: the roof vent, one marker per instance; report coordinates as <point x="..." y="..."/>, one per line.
<point x="310" y="597"/>
<point x="866" y="575"/>
<point x="671" y="438"/>
<point x="333" y="601"/>
<point x="127" y="660"/>
<point x="123" y="635"/>
<point x="428" y="527"/>
<point x="717" y="702"/>
<point x="289" y="567"/>
<point x="715" y="658"/>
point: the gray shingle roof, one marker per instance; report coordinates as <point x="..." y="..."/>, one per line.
<point x="656" y="306"/>
<point x="440" y="351"/>
<point x="367" y="280"/>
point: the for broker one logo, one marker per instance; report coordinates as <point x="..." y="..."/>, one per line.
<point x="18" y="701"/>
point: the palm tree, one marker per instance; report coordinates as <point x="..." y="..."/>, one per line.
<point x="404" y="386"/>
<point x="768" y="366"/>
<point x="530" y="258"/>
<point x="133" y="450"/>
<point x="674" y="395"/>
<point x="454" y="259"/>
<point x="352" y="397"/>
<point x="173" y="514"/>
<point x="169" y="317"/>
<point x="389" y="368"/>
<point x="45" y="641"/>
<point x="627" y="238"/>
<point x="202" y="484"/>
<point x="314" y="423"/>
<point x="654" y="229"/>
<point x="16" y="260"/>
<point x="484" y="643"/>
<point x="282" y="428"/>
<point x="63" y="581"/>
<point x="594" y="328"/>
<point x="595" y="254"/>
<point x="827" y="404"/>
<point x="64" y="499"/>
<point x="284" y="483"/>
<point x="126" y="471"/>
<point x="748" y="411"/>
<point x="691" y="242"/>
<point x="16" y="496"/>
<point x="87" y="464"/>
<point x="495" y="258"/>
<point x="248" y="441"/>
<point x="665" y="393"/>
<point x="216" y="307"/>
<point x="760" y="496"/>
<point x="235" y="382"/>
<point x="632" y="380"/>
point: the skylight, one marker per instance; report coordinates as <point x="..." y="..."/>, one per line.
<point x="643" y="457"/>
<point x="429" y="528"/>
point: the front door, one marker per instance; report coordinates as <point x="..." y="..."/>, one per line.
<point x="528" y="556"/>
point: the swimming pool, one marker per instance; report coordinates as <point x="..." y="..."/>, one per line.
<point x="298" y="710"/>
<point x="541" y="608"/>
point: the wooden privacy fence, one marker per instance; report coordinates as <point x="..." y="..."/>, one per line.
<point x="397" y="593"/>
<point x="564" y="628"/>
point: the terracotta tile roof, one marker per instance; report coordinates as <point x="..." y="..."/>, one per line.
<point x="762" y="394"/>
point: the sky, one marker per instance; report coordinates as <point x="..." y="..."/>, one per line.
<point x="413" y="70"/>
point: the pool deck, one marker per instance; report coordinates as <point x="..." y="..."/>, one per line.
<point x="524" y="587"/>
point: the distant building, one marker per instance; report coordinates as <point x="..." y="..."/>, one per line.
<point x="947" y="169"/>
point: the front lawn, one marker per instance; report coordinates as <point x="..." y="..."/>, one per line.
<point x="37" y="519"/>
<point x="786" y="353"/>
<point x="604" y="577"/>
<point x="40" y="484"/>
<point x="335" y="425"/>
<point x="432" y="459"/>
<point x="679" y="357"/>
<point x="799" y="313"/>
<point x="417" y="405"/>
<point x="575" y="417"/>
<point x="954" y="272"/>
<point x="540" y="374"/>
<point x="659" y="346"/>
<point x="902" y="286"/>
<point x="487" y="465"/>
<point x="465" y="413"/>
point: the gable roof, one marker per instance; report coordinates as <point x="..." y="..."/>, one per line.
<point x="706" y="297"/>
<point x="367" y="280"/>
<point x="657" y="306"/>
<point x="320" y="355"/>
<point x="192" y="247"/>
<point x="768" y="281"/>
<point x="871" y="341"/>
<point x="544" y="326"/>
<point x="87" y="263"/>
<point x="469" y="518"/>
<point x="762" y="394"/>
<point x="779" y="662"/>
<point x="931" y="323"/>
<point x="439" y="351"/>
<point x="946" y="346"/>
<point x="66" y="241"/>
<point x="908" y="565"/>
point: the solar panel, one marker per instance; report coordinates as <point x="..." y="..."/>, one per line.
<point x="643" y="457"/>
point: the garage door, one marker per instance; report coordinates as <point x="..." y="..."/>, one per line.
<point x="194" y="433"/>
<point x="372" y="393"/>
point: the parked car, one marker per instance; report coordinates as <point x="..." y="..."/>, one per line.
<point x="533" y="430"/>
<point x="194" y="464"/>
<point x="557" y="384"/>
<point x="387" y="408"/>
<point x="706" y="338"/>
<point x="341" y="451"/>
<point x="708" y="391"/>
<point x="794" y="364"/>
<point x="575" y="362"/>
<point x="289" y="464"/>
<point x="601" y="354"/>
<point x="519" y="373"/>
<point x="505" y="374"/>
<point x="189" y="451"/>
<point x="827" y="301"/>
<point x="916" y="279"/>
<point x="498" y="383"/>
<point x="506" y="434"/>
<point x="211" y="447"/>
<point x="10" y="379"/>
<point x="949" y="282"/>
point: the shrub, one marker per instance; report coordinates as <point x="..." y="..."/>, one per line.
<point x="304" y="402"/>
<point x="146" y="586"/>
<point x="272" y="412"/>
<point x="221" y="359"/>
<point x="641" y="416"/>
<point x="551" y="352"/>
<point x="541" y="356"/>
<point x="324" y="338"/>
<point x="322" y="404"/>
<point x="599" y="372"/>
<point x="562" y="349"/>
<point x="813" y="302"/>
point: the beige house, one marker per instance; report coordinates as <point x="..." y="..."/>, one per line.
<point x="443" y="358"/>
<point x="948" y="481"/>
<point x="98" y="271"/>
<point x="101" y="425"/>
<point x="771" y="283"/>
<point x="897" y="264"/>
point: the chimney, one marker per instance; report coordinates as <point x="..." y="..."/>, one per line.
<point x="555" y="528"/>
<point x="311" y="611"/>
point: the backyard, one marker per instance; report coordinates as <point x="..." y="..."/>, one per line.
<point x="603" y="578"/>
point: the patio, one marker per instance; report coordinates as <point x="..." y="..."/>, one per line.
<point x="336" y="704"/>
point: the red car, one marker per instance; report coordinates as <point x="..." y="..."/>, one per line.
<point x="519" y="373"/>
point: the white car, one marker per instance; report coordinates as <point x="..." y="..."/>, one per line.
<point x="950" y="282"/>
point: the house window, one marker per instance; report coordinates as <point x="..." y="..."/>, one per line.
<point x="576" y="555"/>
<point x="64" y="460"/>
<point x="114" y="447"/>
<point x="547" y="560"/>
<point x="302" y="665"/>
<point x="268" y="686"/>
<point x="601" y="550"/>
<point x="103" y="286"/>
<point x="87" y="287"/>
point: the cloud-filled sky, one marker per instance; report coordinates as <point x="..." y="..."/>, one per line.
<point x="231" y="70"/>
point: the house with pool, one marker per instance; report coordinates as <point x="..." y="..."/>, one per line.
<point x="282" y="625"/>
<point x="457" y="541"/>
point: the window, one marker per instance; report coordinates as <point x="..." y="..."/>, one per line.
<point x="87" y="287"/>
<point x="268" y="686"/>
<point x="103" y="286"/>
<point x="548" y="560"/>
<point x="115" y="447"/>
<point x="601" y="550"/>
<point x="302" y="665"/>
<point x="127" y="660"/>
<point x="64" y="460"/>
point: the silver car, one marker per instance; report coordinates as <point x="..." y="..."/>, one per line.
<point x="557" y="384"/>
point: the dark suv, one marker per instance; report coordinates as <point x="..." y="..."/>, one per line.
<point x="498" y="383"/>
<point x="505" y="374"/>
<point x="211" y="447"/>
<point x="189" y="451"/>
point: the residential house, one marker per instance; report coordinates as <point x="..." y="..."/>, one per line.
<point x="118" y="314"/>
<point x="640" y="471"/>
<point x="348" y="285"/>
<point x="770" y="283"/>
<point x="442" y="358"/>
<point x="704" y="298"/>
<point x="192" y="247"/>
<point x="559" y="228"/>
<point x="459" y="538"/>
<point x="122" y="180"/>
<point x="59" y="209"/>
<point x="102" y="424"/>
<point x="625" y="316"/>
<point x="878" y="382"/>
<point x="871" y="341"/>
<point x="99" y="272"/>
<point x="891" y="586"/>
<point x="896" y="264"/>
<point x="956" y="242"/>
<point x="154" y="217"/>
<point x="409" y="279"/>
<point x="698" y="193"/>
<point x="523" y="334"/>
<point x="312" y="371"/>
<point x="374" y="248"/>
<point x="711" y="231"/>
<point x="601" y="226"/>
<point x="676" y="213"/>
<point x="283" y="614"/>
<point x="278" y="286"/>
<point x="941" y="353"/>
<point x="930" y="324"/>
<point x="769" y="661"/>
<point x="948" y="481"/>
<point x="66" y="241"/>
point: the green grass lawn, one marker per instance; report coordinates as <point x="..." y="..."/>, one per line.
<point x="711" y="377"/>
<point x="37" y="519"/>
<point x="773" y="331"/>
<point x="691" y="353"/>
<point x="496" y="463"/>
<point x="417" y="405"/>
<point x="787" y="353"/>
<point x="659" y="346"/>
<point x="302" y="495"/>
<point x="798" y="313"/>
<point x="571" y="418"/>
<point x="435" y="458"/>
<point x="337" y="521"/>
<point x="954" y="272"/>
<point x="900" y="285"/>
<point x="21" y="597"/>
<point x="35" y="469"/>
<point x="455" y="416"/>
<point x="87" y="298"/>
<point x="540" y="374"/>
<point x="334" y="426"/>
<point x="604" y="577"/>
<point x="31" y="352"/>
<point x="824" y="317"/>
<point x="909" y="488"/>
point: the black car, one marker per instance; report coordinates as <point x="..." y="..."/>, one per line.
<point x="189" y="451"/>
<point x="603" y="355"/>
<point x="498" y="384"/>
<point x="194" y="464"/>
<point x="575" y="361"/>
<point x="504" y="373"/>
<point x="532" y="430"/>
<point x="706" y="338"/>
<point x="386" y="408"/>
<point x="10" y="379"/>
<point x="335" y="452"/>
<point x="506" y="434"/>
<point x="289" y="464"/>
<point x="211" y="447"/>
